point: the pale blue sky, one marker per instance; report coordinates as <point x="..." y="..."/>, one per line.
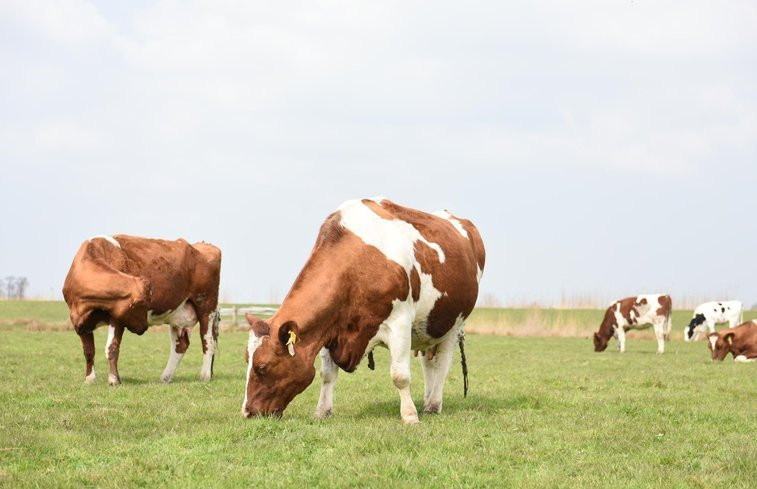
<point x="603" y="148"/>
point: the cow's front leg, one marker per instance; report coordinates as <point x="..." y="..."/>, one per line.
<point x="209" y="336"/>
<point x="112" y="349"/>
<point x="399" y="350"/>
<point x="329" y="371"/>
<point x="621" y="334"/>
<point x="88" y="346"/>
<point x="179" y="345"/>
<point x="710" y="327"/>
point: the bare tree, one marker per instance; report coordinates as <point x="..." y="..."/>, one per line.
<point x="9" y="282"/>
<point x="21" y="284"/>
<point x="13" y="287"/>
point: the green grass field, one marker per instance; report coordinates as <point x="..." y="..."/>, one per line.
<point x="542" y="412"/>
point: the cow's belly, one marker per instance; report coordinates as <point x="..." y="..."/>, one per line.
<point x="629" y="327"/>
<point x="422" y="340"/>
<point x="184" y="316"/>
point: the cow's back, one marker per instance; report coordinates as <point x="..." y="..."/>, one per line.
<point x="123" y="277"/>
<point x="446" y="261"/>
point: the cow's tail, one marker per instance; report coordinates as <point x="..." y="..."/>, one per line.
<point x="371" y="363"/>
<point x="461" y="343"/>
<point x="215" y="320"/>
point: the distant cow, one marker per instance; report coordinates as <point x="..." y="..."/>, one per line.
<point x="711" y="313"/>
<point x="379" y="274"/>
<point x="638" y="312"/>
<point x="741" y="342"/>
<point x="132" y="283"/>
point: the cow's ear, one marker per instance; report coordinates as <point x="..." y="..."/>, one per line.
<point x="289" y="335"/>
<point x="729" y="338"/>
<point x="257" y="325"/>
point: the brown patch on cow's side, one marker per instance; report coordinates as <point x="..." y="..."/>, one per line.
<point x="456" y="277"/>
<point x="629" y="308"/>
<point x="415" y="284"/>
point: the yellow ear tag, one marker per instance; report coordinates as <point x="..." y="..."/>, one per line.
<point x="293" y="340"/>
<point x="730" y="340"/>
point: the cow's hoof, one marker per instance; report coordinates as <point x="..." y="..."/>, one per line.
<point x="323" y="414"/>
<point x="205" y="376"/>
<point x="113" y="380"/>
<point x="410" y="420"/>
<point x="89" y="379"/>
<point x="166" y="379"/>
<point x="432" y="409"/>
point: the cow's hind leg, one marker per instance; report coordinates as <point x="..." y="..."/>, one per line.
<point x="179" y="345"/>
<point x="112" y="349"/>
<point x="428" y="362"/>
<point x="668" y="327"/>
<point x="439" y="366"/>
<point x="659" y="331"/>
<point x="88" y="346"/>
<point x="209" y="336"/>
<point x="329" y="371"/>
<point x="399" y="349"/>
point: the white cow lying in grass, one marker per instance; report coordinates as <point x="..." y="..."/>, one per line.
<point x="711" y="313"/>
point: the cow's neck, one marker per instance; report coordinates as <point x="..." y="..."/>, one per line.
<point x="316" y="303"/>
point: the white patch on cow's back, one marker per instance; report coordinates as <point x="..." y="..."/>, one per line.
<point x="455" y="223"/>
<point x="392" y="237"/>
<point x="109" y="239"/>
<point x="184" y="316"/>
<point x="253" y="342"/>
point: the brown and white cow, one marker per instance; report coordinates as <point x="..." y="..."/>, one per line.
<point x="379" y="274"/>
<point x="132" y="283"/>
<point x="638" y="312"/>
<point x="741" y="342"/>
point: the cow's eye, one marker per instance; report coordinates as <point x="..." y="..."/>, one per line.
<point x="262" y="369"/>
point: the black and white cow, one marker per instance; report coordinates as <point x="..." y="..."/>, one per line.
<point x="709" y="314"/>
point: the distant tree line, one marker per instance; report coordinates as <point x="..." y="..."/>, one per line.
<point x="13" y="287"/>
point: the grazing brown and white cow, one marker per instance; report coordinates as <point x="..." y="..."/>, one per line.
<point x="741" y="342"/>
<point x="132" y="283"/>
<point x="379" y="274"/>
<point x="638" y="312"/>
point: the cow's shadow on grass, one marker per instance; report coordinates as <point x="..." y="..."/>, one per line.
<point x="182" y="379"/>
<point x="390" y="408"/>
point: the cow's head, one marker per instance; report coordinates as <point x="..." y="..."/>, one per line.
<point x="720" y="344"/>
<point x="600" y="342"/>
<point x="277" y="369"/>
<point x="688" y="333"/>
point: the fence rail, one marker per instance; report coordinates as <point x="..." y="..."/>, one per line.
<point x="234" y="312"/>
